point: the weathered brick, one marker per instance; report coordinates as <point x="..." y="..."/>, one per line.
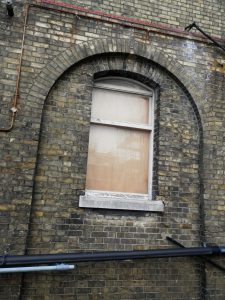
<point x="62" y="54"/>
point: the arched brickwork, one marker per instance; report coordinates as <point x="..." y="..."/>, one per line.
<point x="191" y="85"/>
<point x="48" y="76"/>
<point x="61" y="63"/>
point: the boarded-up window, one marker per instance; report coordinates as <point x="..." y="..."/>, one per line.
<point x="120" y="141"/>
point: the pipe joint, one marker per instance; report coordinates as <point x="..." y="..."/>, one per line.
<point x="14" y="110"/>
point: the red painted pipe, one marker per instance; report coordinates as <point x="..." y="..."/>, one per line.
<point x="125" y="19"/>
<point x="112" y="16"/>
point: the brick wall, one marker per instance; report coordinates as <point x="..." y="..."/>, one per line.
<point x="43" y="158"/>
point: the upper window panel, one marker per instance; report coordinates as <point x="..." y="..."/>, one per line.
<point x="120" y="106"/>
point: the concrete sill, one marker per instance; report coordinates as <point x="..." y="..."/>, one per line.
<point x="138" y="203"/>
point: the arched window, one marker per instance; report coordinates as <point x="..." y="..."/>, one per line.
<point x="120" y="154"/>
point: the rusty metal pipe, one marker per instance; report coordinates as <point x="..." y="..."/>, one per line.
<point x="111" y="21"/>
<point x="16" y="95"/>
<point x="146" y="26"/>
<point x="122" y="20"/>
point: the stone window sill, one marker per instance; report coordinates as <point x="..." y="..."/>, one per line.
<point x="121" y="201"/>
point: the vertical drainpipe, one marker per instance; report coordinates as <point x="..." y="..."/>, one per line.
<point x="202" y="231"/>
<point x="16" y="95"/>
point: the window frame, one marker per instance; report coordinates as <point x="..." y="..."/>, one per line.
<point x="125" y="200"/>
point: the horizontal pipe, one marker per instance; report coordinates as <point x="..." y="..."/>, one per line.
<point x="17" y="260"/>
<point x="119" y="18"/>
<point x="60" y="267"/>
<point x="111" y="16"/>
<point x="135" y="25"/>
<point x="213" y="263"/>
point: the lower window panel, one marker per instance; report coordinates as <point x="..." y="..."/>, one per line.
<point x="118" y="159"/>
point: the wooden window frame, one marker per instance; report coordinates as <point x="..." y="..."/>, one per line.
<point x="122" y="200"/>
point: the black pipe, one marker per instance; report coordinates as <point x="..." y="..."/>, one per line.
<point x="174" y="242"/>
<point x="189" y="27"/>
<point x="20" y="260"/>
<point x="9" y="8"/>
<point x="213" y="263"/>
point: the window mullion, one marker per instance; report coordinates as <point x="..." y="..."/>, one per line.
<point x="146" y="127"/>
